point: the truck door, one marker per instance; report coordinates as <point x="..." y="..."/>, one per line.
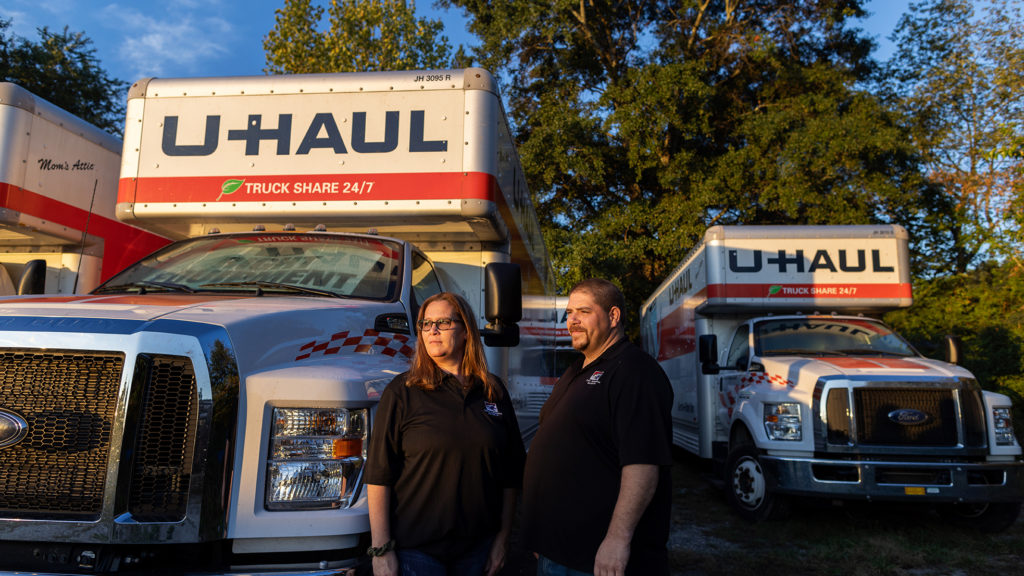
<point x="733" y="371"/>
<point x="424" y="283"/>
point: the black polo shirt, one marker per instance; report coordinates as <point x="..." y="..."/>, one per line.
<point x="448" y="455"/>
<point x="612" y="413"/>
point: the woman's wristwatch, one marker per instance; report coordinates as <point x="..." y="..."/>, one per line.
<point x="376" y="551"/>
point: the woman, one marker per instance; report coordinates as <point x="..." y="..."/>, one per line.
<point x="446" y="458"/>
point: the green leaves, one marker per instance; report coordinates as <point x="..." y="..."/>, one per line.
<point x="640" y="123"/>
<point x="958" y="73"/>
<point x="359" y="36"/>
<point x="62" y="68"/>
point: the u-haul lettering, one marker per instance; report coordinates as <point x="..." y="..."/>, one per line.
<point x="289" y="134"/>
<point x="323" y="132"/>
<point x="680" y="286"/>
<point x="822" y="261"/>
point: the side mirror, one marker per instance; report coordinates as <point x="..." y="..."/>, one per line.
<point x="503" y="304"/>
<point x="33" y="278"/>
<point x="707" y="353"/>
<point x="953" y="346"/>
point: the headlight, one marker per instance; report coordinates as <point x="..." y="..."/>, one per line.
<point x="1002" y="421"/>
<point x="316" y="456"/>
<point x="782" y="421"/>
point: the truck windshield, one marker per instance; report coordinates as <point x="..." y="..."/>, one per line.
<point x="309" y="264"/>
<point x="828" y="336"/>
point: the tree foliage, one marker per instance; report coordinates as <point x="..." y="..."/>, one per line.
<point x="640" y="123"/>
<point x="360" y="36"/>
<point x="959" y="75"/>
<point x="62" y="68"/>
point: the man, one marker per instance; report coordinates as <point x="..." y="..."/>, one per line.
<point x="597" y="486"/>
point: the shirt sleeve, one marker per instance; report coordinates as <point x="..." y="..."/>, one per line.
<point x="642" y="411"/>
<point x="384" y="456"/>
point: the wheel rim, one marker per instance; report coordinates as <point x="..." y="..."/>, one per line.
<point x="970" y="510"/>
<point x="748" y="483"/>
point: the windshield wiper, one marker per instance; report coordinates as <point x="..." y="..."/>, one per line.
<point x="141" y="285"/>
<point x="272" y="285"/>
<point x="870" y="352"/>
<point x="803" y="352"/>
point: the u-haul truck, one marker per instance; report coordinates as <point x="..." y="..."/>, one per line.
<point x="780" y="375"/>
<point x="207" y="409"/>
<point x="545" y="363"/>
<point x="58" y="185"/>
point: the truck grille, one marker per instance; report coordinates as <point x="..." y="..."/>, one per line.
<point x="872" y="407"/>
<point x="162" y="464"/>
<point x="874" y="426"/>
<point x="69" y="400"/>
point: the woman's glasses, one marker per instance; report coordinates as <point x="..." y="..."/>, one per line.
<point x="441" y="323"/>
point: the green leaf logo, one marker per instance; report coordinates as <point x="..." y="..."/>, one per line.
<point x="773" y="290"/>
<point x="230" y="187"/>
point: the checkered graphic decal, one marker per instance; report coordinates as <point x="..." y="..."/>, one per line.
<point x="728" y="397"/>
<point x="389" y="345"/>
<point x="756" y="378"/>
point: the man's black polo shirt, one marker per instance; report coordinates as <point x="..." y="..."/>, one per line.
<point x="612" y="413"/>
<point x="447" y="457"/>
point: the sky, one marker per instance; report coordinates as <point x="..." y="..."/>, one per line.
<point x="182" y="38"/>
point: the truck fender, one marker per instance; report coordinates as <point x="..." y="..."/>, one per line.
<point x="748" y="420"/>
<point x="749" y="484"/>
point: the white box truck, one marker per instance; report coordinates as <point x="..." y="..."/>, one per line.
<point x="780" y="376"/>
<point x="545" y="363"/>
<point x="207" y="409"/>
<point x="58" y="185"/>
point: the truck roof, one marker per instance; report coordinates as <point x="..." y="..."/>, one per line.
<point x="13" y="95"/>
<point x="768" y="232"/>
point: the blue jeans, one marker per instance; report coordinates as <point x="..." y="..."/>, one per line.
<point x="548" y="567"/>
<point x="412" y="562"/>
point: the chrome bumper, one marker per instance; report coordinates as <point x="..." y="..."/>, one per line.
<point x="897" y="480"/>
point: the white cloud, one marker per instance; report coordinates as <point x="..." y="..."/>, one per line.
<point x="22" y="23"/>
<point x="29" y="15"/>
<point x="177" y="41"/>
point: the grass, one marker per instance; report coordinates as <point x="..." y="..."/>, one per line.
<point x="824" y="539"/>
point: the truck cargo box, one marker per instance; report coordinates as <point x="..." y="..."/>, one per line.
<point x="58" y="184"/>
<point x="804" y="268"/>
<point x="412" y="155"/>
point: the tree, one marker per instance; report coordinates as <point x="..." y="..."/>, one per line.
<point x="640" y="123"/>
<point x="959" y="76"/>
<point x="361" y="35"/>
<point x="62" y="68"/>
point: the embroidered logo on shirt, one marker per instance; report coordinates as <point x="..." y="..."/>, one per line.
<point x="595" y="378"/>
<point x="491" y="408"/>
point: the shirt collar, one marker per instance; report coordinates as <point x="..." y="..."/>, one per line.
<point x="612" y="351"/>
<point x="452" y="383"/>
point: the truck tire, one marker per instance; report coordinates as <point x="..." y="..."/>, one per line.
<point x="748" y="486"/>
<point x="989" y="517"/>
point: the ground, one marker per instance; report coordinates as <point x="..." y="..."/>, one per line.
<point x="819" y="538"/>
